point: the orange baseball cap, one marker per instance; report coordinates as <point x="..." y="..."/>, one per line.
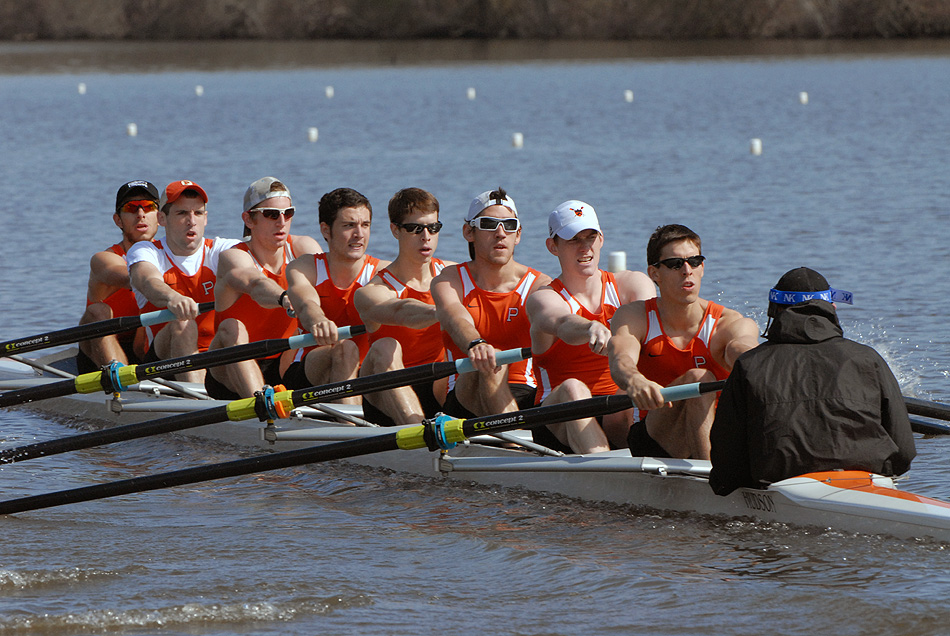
<point x="175" y="189"/>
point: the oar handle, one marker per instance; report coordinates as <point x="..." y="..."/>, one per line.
<point x="686" y="391"/>
<point x="501" y="359"/>
<point x="342" y="333"/>
<point x="165" y="315"/>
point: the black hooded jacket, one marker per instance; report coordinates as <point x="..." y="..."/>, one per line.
<point x="808" y="400"/>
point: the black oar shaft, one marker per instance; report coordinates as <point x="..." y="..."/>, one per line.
<point x="169" y="424"/>
<point x="925" y="408"/>
<point x="408" y="438"/>
<point x="36" y="393"/>
<point x="79" y="333"/>
<point x="197" y="474"/>
<point x="184" y="421"/>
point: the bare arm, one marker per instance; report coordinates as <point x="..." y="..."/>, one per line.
<point x="734" y="335"/>
<point x="238" y="275"/>
<point x="148" y="280"/>
<point x="629" y="327"/>
<point x="551" y="317"/>
<point x="634" y="286"/>
<point x="304" y="244"/>
<point x="301" y="275"/>
<point x="377" y="305"/>
<point x="457" y="322"/>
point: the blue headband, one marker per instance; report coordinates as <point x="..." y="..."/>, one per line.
<point x="793" y="298"/>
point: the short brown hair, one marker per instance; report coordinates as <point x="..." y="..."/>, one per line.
<point x="409" y="200"/>
<point x="666" y="234"/>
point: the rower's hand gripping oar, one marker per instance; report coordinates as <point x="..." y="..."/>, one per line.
<point x="116" y="378"/>
<point x="413" y="437"/>
<point x="91" y="330"/>
<point x="267" y="405"/>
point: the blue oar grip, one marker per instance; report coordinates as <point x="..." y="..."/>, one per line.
<point x="307" y="339"/>
<point x="686" y="391"/>
<point x="502" y="358"/>
<point x="157" y="317"/>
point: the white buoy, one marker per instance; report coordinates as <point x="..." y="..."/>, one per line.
<point x="617" y="262"/>
<point x="755" y="147"/>
<point x="329" y="91"/>
<point x="81" y="88"/>
<point x="517" y="140"/>
<point x="471" y="93"/>
<point x="803" y="97"/>
<point x="628" y="95"/>
<point x="312" y="134"/>
<point x="199" y="90"/>
<point x="131" y="130"/>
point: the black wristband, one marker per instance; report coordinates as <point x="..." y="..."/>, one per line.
<point x="280" y="301"/>
<point x="475" y="342"/>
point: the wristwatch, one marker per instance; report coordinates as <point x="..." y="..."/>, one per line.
<point x="475" y="342"/>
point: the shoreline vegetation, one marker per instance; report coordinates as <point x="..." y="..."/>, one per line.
<point x="30" y="20"/>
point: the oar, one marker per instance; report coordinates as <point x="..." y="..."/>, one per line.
<point x="925" y="408"/>
<point x="440" y="434"/>
<point x="91" y="330"/>
<point x="116" y="379"/>
<point x="929" y="428"/>
<point x="265" y="406"/>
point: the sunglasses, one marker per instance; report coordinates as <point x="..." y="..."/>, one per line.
<point x="273" y="213"/>
<point x="133" y="206"/>
<point x="416" y="228"/>
<point x="490" y="224"/>
<point x="677" y="263"/>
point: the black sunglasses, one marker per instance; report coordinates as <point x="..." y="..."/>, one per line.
<point x="677" y="263"/>
<point x="273" y="213"/>
<point x="416" y="228"/>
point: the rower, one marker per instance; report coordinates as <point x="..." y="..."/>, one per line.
<point x="480" y="306"/>
<point x="677" y="338"/>
<point x="808" y="399"/>
<point x="399" y="314"/>
<point x="250" y="297"/>
<point x="109" y="292"/>
<point x="178" y="272"/>
<point x="570" y="328"/>
<point x="321" y="288"/>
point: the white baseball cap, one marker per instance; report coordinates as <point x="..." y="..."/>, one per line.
<point x="570" y="218"/>
<point x="487" y="199"/>
<point x="263" y="189"/>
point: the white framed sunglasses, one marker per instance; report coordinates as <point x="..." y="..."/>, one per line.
<point x="491" y="223"/>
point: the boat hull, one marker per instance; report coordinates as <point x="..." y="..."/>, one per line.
<point x="843" y="501"/>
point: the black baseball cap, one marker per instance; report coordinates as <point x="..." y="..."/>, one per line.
<point x="133" y="189"/>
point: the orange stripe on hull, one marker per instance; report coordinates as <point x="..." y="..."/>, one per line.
<point x="863" y="481"/>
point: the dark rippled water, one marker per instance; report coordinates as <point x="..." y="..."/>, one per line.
<point x="854" y="184"/>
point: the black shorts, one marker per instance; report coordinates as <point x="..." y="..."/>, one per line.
<point x="296" y="376"/>
<point x="270" y="369"/>
<point x="423" y="390"/>
<point x="542" y="435"/>
<point x="641" y="444"/>
<point x="84" y="363"/>
<point x="524" y="397"/>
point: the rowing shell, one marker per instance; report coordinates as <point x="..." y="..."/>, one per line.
<point x="847" y="501"/>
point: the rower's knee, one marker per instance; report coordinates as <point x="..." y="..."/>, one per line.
<point x="95" y="313"/>
<point x="230" y="332"/>
<point x="572" y="390"/>
<point x="384" y="355"/>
